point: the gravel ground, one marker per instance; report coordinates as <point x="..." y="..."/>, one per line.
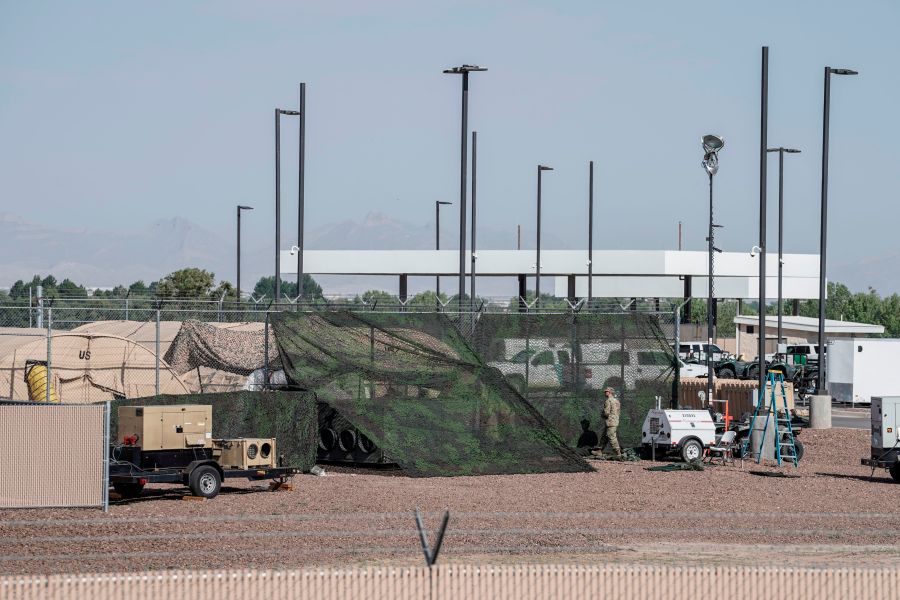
<point x="829" y="513"/>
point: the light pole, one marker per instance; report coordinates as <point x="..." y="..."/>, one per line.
<point x="711" y="146"/>
<point x="278" y="113"/>
<point x="474" y="214"/>
<point x="437" y="242"/>
<point x="301" y="175"/>
<point x="463" y="70"/>
<point x="590" y="260"/>
<point x="823" y="226"/>
<point x="537" y="281"/>
<point x="239" y="209"/>
<point x="781" y="152"/>
<point x="763" y="178"/>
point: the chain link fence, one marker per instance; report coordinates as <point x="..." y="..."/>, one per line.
<point x="559" y="355"/>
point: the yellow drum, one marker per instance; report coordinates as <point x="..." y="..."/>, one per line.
<point x="36" y="378"/>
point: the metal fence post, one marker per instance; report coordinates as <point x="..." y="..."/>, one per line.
<point x="676" y="384"/>
<point x="40" y="310"/>
<point x="157" y="350"/>
<point x="266" y="352"/>
<point x="30" y="308"/>
<point x="49" y="353"/>
<point x="106" y="441"/>
<point x="126" y="308"/>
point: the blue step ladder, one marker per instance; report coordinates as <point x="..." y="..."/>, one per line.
<point x="777" y="409"/>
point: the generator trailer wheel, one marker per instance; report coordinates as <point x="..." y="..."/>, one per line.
<point x="205" y="481"/>
<point x="691" y="451"/>
<point x="895" y="472"/>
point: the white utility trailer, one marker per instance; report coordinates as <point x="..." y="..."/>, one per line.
<point x="862" y="368"/>
<point x="686" y="432"/>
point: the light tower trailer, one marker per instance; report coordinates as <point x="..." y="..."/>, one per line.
<point x="686" y="433"/>
<point x="885" y="438"/>
<point x="174" y="444"/>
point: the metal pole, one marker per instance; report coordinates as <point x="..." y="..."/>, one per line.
<point x="437" y="246"/>
<point x="239" y="253"/>
<point x="105" y="450"/>
<point x="763" y="147"/>
<point x="537" y="279"/>
<point x="780" y="234"/>
<point x="266" y="352"/>
<point x="462" y="186"/>
<point x="823" y="232"/>
<point x="157" y="350"/>
<point x="277" y="205"/>
<point x="591" y="233"/>
<point x="301" y="191"/>
<point x="49" y="353"/>
<point x="677" y="383"/>
<point x="472" y="276"/>
<point x="40" y="307"/>
<point x="710" y="371"/>
<point x="30" y="308"/>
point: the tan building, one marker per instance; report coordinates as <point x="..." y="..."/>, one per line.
<point x="795" y="330"/>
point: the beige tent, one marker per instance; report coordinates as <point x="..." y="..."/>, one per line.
<point x="202" y="379"/>
<point x="89" y="367"/>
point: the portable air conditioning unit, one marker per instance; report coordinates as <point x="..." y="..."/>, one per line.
<point x="246" y="453"/>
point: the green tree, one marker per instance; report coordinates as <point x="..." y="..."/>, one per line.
<point x="266" y="287"/>
<point x="70" y="289"/>
<point x="427" y="299"/>
<point x="138" y="288"/>
<point x="187" y="283"/>
<point x="372" y="296"/>
<point x="18" y="290"/>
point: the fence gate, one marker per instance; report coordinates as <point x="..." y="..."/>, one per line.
<point x="54" y="455"/>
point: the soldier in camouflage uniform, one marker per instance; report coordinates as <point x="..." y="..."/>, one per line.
<point x="611" y="410"/>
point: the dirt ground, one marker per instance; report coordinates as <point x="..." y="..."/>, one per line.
<point x="827" y="513"/>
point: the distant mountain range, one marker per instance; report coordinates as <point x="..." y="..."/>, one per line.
<point x="105" y="258"/>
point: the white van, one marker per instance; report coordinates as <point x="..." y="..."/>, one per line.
<point x="697" y="351"/>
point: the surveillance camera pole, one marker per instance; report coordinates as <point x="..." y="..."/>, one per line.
<point x="710" y="370"/>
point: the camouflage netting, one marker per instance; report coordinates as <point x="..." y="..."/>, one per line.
<point x="203" y="345"/>
<point x="289" y="417"/>
<point x="562" y="362"/>
<point x="413" y="386"/>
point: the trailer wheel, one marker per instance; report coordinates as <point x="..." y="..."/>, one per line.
<point x="205" y="481"/>
<point x="895" y="472"/>
<point x="691" y="451"/>
<point x="800" y="449"/>
<point x="128" y="489"/>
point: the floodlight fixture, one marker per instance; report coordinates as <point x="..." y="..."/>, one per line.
<point x="464" y="69"/>
<point x="843" y="71"/>
<point x="711" y="146"/>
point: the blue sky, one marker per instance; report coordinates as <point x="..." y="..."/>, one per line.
<point x="117" y="113"/>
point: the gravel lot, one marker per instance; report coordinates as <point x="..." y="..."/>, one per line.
<point x="831" y="513"/>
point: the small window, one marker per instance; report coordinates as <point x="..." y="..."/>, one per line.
<point x="751" y="329"/>
<point x="619" y="357"/>
<point x="521" y="357"/>
<point x="653" y="358"/>
<point x="544" y="358"/>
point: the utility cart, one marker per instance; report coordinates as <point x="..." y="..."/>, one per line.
<point x="174" y="444"/>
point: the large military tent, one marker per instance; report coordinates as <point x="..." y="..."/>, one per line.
<point x="88" y="368"/>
